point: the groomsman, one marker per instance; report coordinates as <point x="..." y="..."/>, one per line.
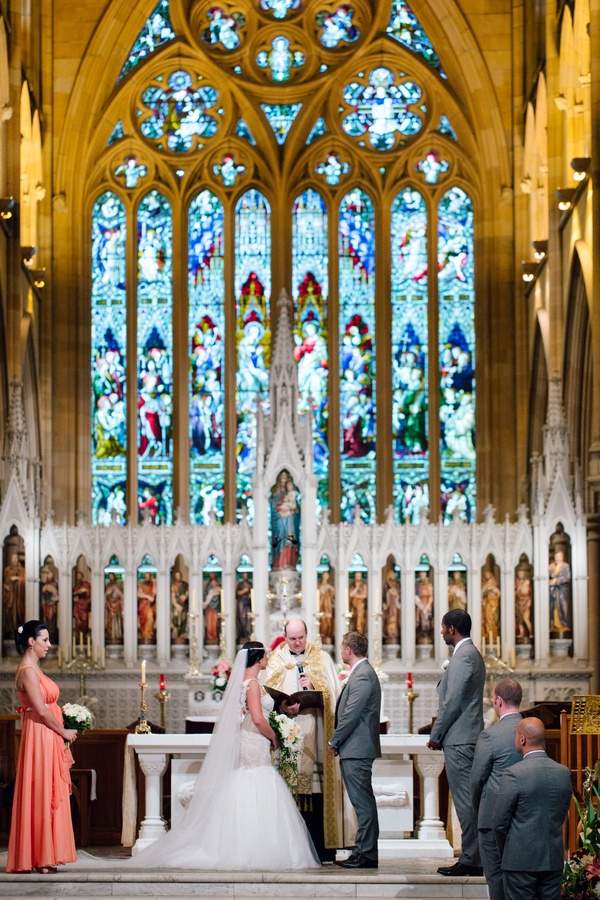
<point x="495" y="751"/>
<point x="532" y="804"/>
<point x="356" y="742"/>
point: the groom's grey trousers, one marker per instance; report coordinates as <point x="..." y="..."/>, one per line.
<point x="357" y="774"/>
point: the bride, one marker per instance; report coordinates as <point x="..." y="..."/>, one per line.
<point x="241" y="815"/>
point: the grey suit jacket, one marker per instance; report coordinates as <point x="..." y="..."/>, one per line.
<point x="460" y="715"/>
<point x="532" y="803"/>
<point x="495" y="751"/>
<point x="357" y="714"/>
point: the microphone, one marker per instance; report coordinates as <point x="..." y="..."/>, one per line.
<point x="300" y="668"/>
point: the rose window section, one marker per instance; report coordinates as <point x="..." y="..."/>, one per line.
<point x="176" y="116"/>
<point x="383" y="109"/>
<point x="280" y="59"/>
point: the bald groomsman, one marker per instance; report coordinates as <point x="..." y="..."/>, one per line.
<point x="495" y="751"/>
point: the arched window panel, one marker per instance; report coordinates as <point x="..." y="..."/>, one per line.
<point x="310" y="287"/>
<point x="357" y="354"/>
<point x="409" y="355"/>
<point x="157" y="31"/>
<point x="406" y="28"/>
<point x="108" y="362"/>
<point x="456" y="355"/>
<point x="253" y="332"/>
<point x="206" y="323"/>
<point x="155" y="359"/>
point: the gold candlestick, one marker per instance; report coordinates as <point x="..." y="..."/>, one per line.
<point x="222" y="642"/>
<point x="162" y="697"/>
<point x="193" y="666"/>
<point x="411" y="697"/>
<point x="142" y="727"/>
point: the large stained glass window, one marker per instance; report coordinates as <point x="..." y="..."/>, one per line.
<point x="157" y="31"/>
<point x="206" y="292"/>
<point x="409" y="355"/>
<point x="456" y="354"/>
<point x="310" y="287"/>
<point x="357" y="353"/>
<point x="108" y="340"/>
<point x="155" y="359"/>
<point x="253" y="331"/>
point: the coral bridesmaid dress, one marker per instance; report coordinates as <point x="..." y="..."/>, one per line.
<point x="41" y="832"/>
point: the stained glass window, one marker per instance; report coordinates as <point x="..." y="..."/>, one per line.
<point x="446" y="128"/>
<point x="131" y="171"/>
<point x="357" y="353"/>
<point x="410" y="355"/>
<point x="317" y="130"/>
<point x="310" y="287"/>
<point x="206" y="291"/>
<point x="253" y="331"/>
<point x="280" y="59"/>
<point x="332" y="168"/>
<point x="406" y="28"/>
<point x="116" y="134"/>
<point x="456" y="354"/>
<point x="244" y="132"/>
<point x="155" y="359"/>
<point x="157" y="31"/>
<point x="431" y="166"/>
<point x="178" y="114"/>
<point x="228" y="170"/>
<point x="337" y="26"/>
<point x="109" y="345"/>
<point x="383" y="109"/>
<point x="223" y="28"/>
<point x="280" y="117"/>
<point x="280" y="8"/>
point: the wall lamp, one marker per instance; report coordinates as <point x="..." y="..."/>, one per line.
<point x="528" y="269"/>
<point x="28" y="254"/>
<point x="540" y="250"/>
<point x="39" y="277"/>
<point x="565" y="198"/>
<point x="581" y="167"/>
<point x="6" y="205"/>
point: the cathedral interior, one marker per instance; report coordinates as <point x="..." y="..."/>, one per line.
<point x="297" y="318"/>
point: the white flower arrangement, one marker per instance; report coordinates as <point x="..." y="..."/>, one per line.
<point x="78" y="718"/>
<point x="291" y="741"/>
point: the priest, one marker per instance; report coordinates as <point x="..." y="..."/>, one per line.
<point x="297" y="665"/>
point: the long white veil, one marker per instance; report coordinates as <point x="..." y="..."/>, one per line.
<point x="219" y="765"/>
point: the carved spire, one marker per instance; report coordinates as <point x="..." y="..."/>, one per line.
<point x="556" y="436"/>
<point x="17" y="457"/>
<point x="284" y="372"/>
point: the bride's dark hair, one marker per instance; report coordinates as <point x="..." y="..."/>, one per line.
<point x="256" y="651"/>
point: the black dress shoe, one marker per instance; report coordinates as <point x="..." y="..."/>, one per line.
<point x="358" y="861"/>
<point x="460" y="869"/>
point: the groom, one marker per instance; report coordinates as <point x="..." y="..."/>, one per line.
<point x="356" y="742"/>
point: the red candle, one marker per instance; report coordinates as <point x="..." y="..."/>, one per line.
<point x="161" y="682"/>
<point x="409" y="679"/>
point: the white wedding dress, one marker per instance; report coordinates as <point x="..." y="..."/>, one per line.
<point x="248" y="822"/>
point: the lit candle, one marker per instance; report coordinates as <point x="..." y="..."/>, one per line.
<point x="143" y="671"/>
<point x="252" y="599"/>
<point x="89" y="646"/>
<point x="161" y="682"/>
<point x="318" y="603"/>
<point x="193" y="603"/>
<point x="409" y="680"/>
<point x="59" y="657"/>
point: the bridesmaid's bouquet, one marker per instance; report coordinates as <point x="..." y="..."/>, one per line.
<point x="291" y="742"/>
<point x="76" y="717"/>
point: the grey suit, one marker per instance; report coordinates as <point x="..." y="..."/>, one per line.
<point x="532" y="804"/>
<point x="356" y="738"/>
<point x="495" y="751"/>
<point x="459" y="721"/>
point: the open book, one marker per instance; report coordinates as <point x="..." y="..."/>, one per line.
<point x="306" y="699"/>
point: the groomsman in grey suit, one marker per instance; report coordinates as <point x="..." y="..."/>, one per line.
<point x="495" y="751"/>
<point x="356" y="741"/>
<point x="532" y="804"/>
<point x="456" y="729"/>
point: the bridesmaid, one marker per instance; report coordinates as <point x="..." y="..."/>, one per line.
<point x="41" y="831"/>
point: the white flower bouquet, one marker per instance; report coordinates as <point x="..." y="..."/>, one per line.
<point x="291" y="741"/>
<point x="77" y="717"/>
<point x="220" y="673"/>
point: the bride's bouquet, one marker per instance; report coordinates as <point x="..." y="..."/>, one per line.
<point x="77" y="717"/>
<point x="291" y="742"/>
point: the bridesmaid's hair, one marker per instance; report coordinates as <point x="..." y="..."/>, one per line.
<point x="255" y="651"/>
<point x="31" y="629"/>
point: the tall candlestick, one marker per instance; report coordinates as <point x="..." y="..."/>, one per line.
<point x="81" y="641"/>
<point x="89" y="645"/>
<point x="143" y="671"/>
<point x="74" y="648"/>
<point x="252" y="599"/>
<point x="498" y="647"/>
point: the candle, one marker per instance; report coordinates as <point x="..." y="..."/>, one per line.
<point x="318" y="603"/>
<point x="103" y="658"/>
<point x="483" y="645"/>
<point x="143" y="671"/>
<point x="193" y="604"/>
<point x="498" y="647"/>
<point x="89" y="646"/>
<point x="161" y="682"/>
<point x="409" y="680"/>
<point x="74" y="647"/>
<point x="81" y="641"/>
<point x="252" y="599"/>
<point x="59" y="657"/>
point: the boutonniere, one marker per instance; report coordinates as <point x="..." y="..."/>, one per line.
<point x="445" y="664"/>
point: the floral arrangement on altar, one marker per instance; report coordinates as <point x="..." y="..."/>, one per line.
<point x="220" y="673"/>
<point x="291" y="742"/>
<point x="581" y="875"/>
<point x="76" y="717"/>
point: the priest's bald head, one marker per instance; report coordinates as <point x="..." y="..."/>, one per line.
<point x="530" y="735"/>
<point x="296" y="634"/>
